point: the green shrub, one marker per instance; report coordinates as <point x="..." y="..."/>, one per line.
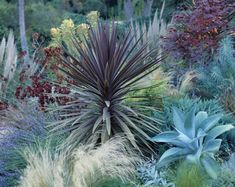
<point x="8" y="17"/>
<point x="220" y="75"/>
<point x="91" y="5"/>
<point x="190" y="175"/>
<point x="153" y="89"/>
<point x="40" y="18"/>
<point x="112" y="182"/>
<point x="210" y="106"/>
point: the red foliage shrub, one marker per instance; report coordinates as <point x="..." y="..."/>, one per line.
<point x="52" y="61"/>
<point x="43" y="90"/>
<point x="196" y="32"/>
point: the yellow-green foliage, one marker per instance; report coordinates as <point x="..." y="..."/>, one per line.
<point x="153" y="87"/>
<point x="190" y="175"/>
<point x="68" y="29"/>
<point x="158" y="85"/>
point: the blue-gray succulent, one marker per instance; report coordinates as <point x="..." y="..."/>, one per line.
<point x="194" y="139"/>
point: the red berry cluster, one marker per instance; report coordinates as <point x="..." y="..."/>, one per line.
<point x="196" y="32"/>
<point x="43" y="90"/>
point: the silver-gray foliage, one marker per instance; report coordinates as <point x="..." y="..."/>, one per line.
<point x="149" y="175"/>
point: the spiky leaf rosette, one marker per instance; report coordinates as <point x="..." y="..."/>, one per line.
<point x="104" y="71"/>
<point x="194" y="138"/>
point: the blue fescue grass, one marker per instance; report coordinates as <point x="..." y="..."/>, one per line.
<point x="22" y="128"/>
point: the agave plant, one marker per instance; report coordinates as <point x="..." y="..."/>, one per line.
<point x="210" y="106"/>
<point x="103" y="73"/>
<point x="194" y="138"/>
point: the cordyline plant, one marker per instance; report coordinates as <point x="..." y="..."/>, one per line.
<point x="104" y="71"/>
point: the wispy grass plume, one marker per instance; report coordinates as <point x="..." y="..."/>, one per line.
<point x="43" y="170"/>
<point x="86" y="167"/>
<point x="109" y="160"/>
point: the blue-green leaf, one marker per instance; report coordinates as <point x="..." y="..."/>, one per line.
<point x="178" y="119"/>
<point x="212" y="145"/>
<point x="189" y="123"/>
<point x="201" y="116"/>
<point x="210" y="165"/>
<point x="171" y="155"/>
<point x="215" y="132"/>
<point x="210" y="122"/>
<point x="165" y="136"/>
<point x="184" y="138"/>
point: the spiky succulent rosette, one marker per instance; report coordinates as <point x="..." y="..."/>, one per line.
<point x="194" y="138"/>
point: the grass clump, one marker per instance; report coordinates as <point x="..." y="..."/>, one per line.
<point x="87" y="167"/>
<point x="190" y="175"/>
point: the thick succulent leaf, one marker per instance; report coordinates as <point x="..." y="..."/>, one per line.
<point x="171" y="155"/>
<point x="215" y="132"/>
<point x="194" y="144"/>
<point x="210" y="122"/>
<point x="189" y="124"/>
<point x="210" y="165"/>
<point x="167" y="136"/>
<point x="184" y="138"/>
<point x="201" y="133"/>
<point x="179" y="143"/>
<point x="212" y="145"/>
<point x="193" y="158"/>
<point x="201" y="116"/>
<point x="170" y="137"/>
<point x="178" y="119"/>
